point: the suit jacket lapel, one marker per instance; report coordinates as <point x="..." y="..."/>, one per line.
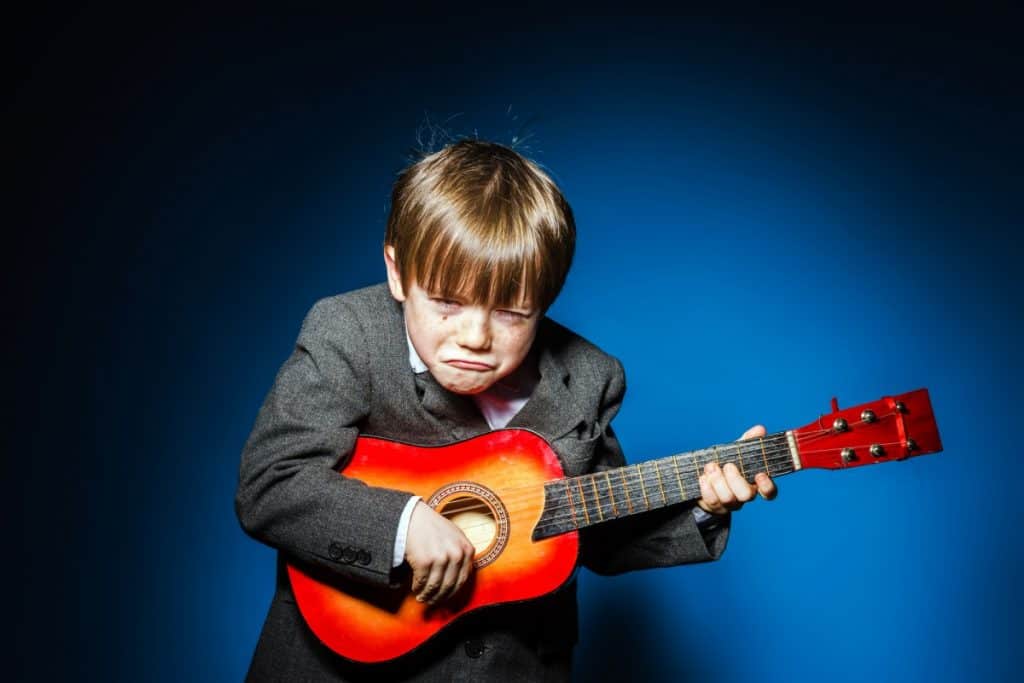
<point x="551" y="411"/>
<point x="452" y="417"/>
<point x="457" y="413"/>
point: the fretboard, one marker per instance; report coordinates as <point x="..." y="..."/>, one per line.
<point x="578" y="502"/>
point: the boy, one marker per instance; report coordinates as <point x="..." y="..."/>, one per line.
<point x="478" y="244"/>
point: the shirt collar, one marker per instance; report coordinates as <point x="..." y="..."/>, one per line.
<point x="415" y="361"/>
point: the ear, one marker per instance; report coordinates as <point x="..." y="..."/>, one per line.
<point x="394" y="277"/>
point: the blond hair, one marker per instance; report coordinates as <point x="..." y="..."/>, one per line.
<point x="478" y="220"/>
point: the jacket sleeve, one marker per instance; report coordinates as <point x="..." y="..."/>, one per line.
<point x="660" y="538"/>
<point x="290" y="495"/>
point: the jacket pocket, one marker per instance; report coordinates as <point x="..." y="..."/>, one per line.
<point x="577" y="454"/>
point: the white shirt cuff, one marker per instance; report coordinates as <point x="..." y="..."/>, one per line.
<point x="403" y="532"/>
<point x="700" y="515"/>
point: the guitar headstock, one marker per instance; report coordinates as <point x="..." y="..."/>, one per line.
<point x="891" y="428"/>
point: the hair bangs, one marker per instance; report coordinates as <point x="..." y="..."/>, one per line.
<point x="453" y="260"/>
<point x="478" y="221"/>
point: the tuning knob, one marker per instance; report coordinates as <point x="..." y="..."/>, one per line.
<point x="848" y="455"/>
<point x="877" y="450"/>
<point x="911" y="444"/>
<point x="868" y="416"/>
<point x="901" y="407"/>
<point x="839" y="425"/>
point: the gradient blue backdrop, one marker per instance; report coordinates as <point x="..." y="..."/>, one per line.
<point x="771" y="212"/>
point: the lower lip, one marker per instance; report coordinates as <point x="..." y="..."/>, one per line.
<point x="469" y="365"/>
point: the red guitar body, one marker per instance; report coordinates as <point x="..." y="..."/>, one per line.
<point x="508" y="470"/>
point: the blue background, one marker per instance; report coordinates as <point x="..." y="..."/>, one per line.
<point x="772" y="211"/>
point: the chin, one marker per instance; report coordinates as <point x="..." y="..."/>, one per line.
<point x="466" y="391"/>
<point x="465" y="388"/>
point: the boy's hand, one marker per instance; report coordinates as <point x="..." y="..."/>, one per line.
<point x="439" y="553"/>
<point x="723" y="489"/>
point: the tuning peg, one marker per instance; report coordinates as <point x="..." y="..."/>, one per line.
<point x="877" y="450"/>
<point x="839" y="425"/>
<point x="868" y="416"/>
<point x="848" y="455"/>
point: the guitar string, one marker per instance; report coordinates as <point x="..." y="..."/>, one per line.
<point x="512" y="497"/>
<point x="781" y="449"/>
<point x="624" y="487"/>
<point x="556" y="508"/>
<point x="557" y="516"/>
<point x="775" y="456"/>
<point x="778" y="453"/>
<point x="745" y="449"/>
<point x="601" y="502"/>
<point x="602" y="510"/>
<point x="510" y="502"/>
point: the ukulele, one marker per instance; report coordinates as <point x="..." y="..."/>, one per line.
<point x="508" y="493"/>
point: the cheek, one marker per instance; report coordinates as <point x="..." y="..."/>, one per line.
<point x="516" y="343"/>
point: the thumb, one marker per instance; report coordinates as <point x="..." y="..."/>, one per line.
<point x="753" y="432"/>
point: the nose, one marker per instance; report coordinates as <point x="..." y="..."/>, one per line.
<point x="474" y="330"/>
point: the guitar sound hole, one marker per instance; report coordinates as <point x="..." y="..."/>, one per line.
<point x="476" y="519"/>
<point x="479" y="513"/>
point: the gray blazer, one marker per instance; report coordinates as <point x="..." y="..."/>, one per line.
<point x="349" y="374"/>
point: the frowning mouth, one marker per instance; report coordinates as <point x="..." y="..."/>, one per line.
<point x="470" y="365"/>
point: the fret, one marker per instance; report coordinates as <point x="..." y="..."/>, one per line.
<point x="764" y="454"/>
<point x="597" y="498"/>
<point x="673" y="486"/>
<point x="679" y="480"/>
<point x="572" y="506"/>
<point x="633" y="487"/>
<point x="554" y="521"/>
<point x="739" y="460"/>
<point x="671" y="496"/>
<point x="751" y="466"/>
<point x="625" y="488"/>
<point x="611" y="494"/>
<point x="755" y="463"/>
<point x="643" y="489"/>
<point x="707" y="455"/>
<point x="583" y="500"/>
<point x="661" y="484"/>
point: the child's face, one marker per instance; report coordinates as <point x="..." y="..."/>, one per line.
<point x="467" y="346"/>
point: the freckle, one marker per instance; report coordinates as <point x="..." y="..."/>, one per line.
<point x="444" y="317"/>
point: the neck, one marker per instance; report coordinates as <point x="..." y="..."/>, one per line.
<point x="579" y="502"/>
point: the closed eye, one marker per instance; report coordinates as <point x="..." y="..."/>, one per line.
<point x="515" y="315"/>
<point x="445" y="304"/>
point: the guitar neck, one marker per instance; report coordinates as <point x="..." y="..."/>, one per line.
<point x="578" y="502"/>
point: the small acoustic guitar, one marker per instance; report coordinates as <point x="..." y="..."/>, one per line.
<point x="508" y="493"/>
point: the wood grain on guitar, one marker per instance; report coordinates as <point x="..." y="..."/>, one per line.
<point x="507" y="491"/>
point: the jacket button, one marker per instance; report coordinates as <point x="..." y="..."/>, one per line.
<point x="475" y="648"/>
<point x="348" y="555"/>
<point x="334" y="551"/>
<point x="363" y="557"/>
